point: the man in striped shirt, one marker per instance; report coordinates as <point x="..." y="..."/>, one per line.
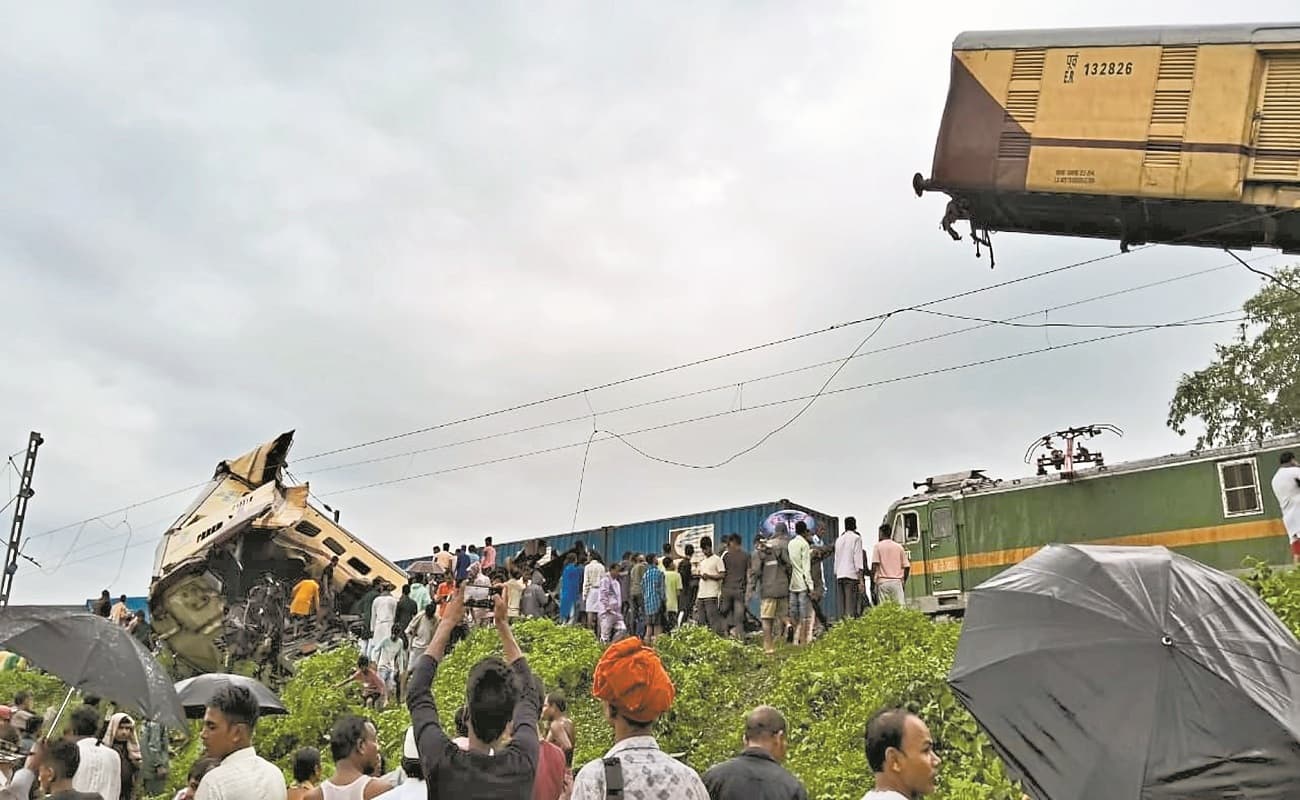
<point x="653" y="590"/>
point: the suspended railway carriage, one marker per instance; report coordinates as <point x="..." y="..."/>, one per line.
<point x="1164" y="135"/>
<point x="1215" y="506"/>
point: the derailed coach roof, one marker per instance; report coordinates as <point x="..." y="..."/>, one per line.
<point x="1237" y="33"/>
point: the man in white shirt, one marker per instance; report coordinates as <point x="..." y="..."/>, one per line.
<point x="801" y="582"/>
<point x="228" y="735"/>
<point x="383" y="612"/>
<point x="413" y="786"/>
<point x="100" y="770"/>
<point x="901" y="754"/>
<point x="1286" y="487"/>
<point x="849" y="570"/>
<point x="712" y="571"/>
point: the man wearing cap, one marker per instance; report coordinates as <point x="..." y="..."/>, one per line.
<point x="635" y="690"/>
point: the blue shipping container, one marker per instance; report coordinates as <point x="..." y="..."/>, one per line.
<point x="651" y="536"/>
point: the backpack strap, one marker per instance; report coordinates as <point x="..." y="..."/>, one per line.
<point x="613" y="778"/>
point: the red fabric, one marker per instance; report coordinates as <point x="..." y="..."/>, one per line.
<point x="1295" y="547"/>
<point x="631" y="678"/>
<point x="549" y="782"/>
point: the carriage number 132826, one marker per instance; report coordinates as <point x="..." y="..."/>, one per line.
<point x="1108" y="68"/>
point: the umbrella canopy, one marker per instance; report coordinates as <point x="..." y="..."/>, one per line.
<point x="93" y="656"/>
<point x="425" y="567"/>
<point x="1131" y="672"/>
<point x="197" y="692"/>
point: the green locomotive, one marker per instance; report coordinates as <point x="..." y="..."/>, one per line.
<point x="1215" y="506"/>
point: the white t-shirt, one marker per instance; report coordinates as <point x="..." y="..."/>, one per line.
<point x="889" y="794"/>
<point x="410" y="790"/>
<point x="1287" y="491"/>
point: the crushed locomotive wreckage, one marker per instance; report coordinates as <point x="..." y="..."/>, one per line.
<point x="224" y="571"/>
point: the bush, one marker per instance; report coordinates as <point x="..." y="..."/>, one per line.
<point x="890" y="657"/>
<point x="1280" y="589"/>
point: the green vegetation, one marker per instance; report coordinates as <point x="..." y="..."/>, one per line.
<point x="893" y="656"/>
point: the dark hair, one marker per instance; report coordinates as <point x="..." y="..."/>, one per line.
<point x="406" y="589"/>
<point x="689" y="550"/>
<point x="201" y="767"/>
<point x="884" y="730"/>
<point x="491" y="693"/>
<point x="363" y="662"/>
<point x="64" y="758"/>
<point x="123" y="599"/>
<point x="1288" y="457"/>
<point x="348" y="734"/>
<point x="487" y="540"/>
<point x="884" y="532"/>
<point x="462" y="721"/>
<point x="236" y="704"/>
<point x="88" y="700"/>
<point x="84" y="722"/>
<point x="705" y="541"/>
<point x="305" y="763"/>
<point x="23" y="697"/>
<point x="446" y="546"/>
<point x="764" y="721"/>
<point x="668" y="562"/>
<point x="850" y="523"/>
<point x="801" y="527"/>
<point x="558" y="700"/>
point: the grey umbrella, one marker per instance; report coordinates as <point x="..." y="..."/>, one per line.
<point x="197" y="692"/>
<point x="93" y="656"/>
<point x="1131" y="672"/>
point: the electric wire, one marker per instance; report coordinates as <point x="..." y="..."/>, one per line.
<point x="770" y="376"/>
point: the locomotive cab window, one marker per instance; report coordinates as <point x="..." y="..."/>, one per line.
<point x="1239" y="486"/>
<point x="941" y="523"/>
<point x="907" y="527"/>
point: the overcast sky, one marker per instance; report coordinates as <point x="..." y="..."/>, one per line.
<point x="218" y="225"/>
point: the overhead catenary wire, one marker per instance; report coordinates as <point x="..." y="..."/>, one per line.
<point x="775" y="342"/>
<point x="774" y="375"/>
<point x="676" y="423"/>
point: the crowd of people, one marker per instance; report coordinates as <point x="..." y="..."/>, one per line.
<point x="514" y="740"/>
<point x="99" y="756"/>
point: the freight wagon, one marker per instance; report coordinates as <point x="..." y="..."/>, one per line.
<point x="1158" y="134"/>
<point x="677" y="532"/>
<point x="1215" y="506"/>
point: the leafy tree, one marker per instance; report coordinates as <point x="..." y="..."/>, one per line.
<point x="1252" y="389"/>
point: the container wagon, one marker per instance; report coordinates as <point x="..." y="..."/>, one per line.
<point x="1215" y="506"/>
<point x="677" y="532"/>
<point x="1156" y="134"/>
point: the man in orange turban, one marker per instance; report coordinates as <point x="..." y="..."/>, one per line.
<point x="635" y="689"/>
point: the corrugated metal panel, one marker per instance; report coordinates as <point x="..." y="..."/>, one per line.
<point x="650" y="536"/>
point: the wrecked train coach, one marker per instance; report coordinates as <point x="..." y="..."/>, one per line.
<point x="224" y="571"/>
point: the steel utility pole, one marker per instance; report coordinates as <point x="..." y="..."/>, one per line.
<point x="25" y="493"/>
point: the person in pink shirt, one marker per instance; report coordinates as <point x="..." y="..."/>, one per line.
<point x="488" y="555"/>
<point x="890" y="567"/>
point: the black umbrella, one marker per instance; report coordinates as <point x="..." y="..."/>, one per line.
<point x="93" y="656"/>
<point x="1131" y="672"/>
<point x="197" y="692"/>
